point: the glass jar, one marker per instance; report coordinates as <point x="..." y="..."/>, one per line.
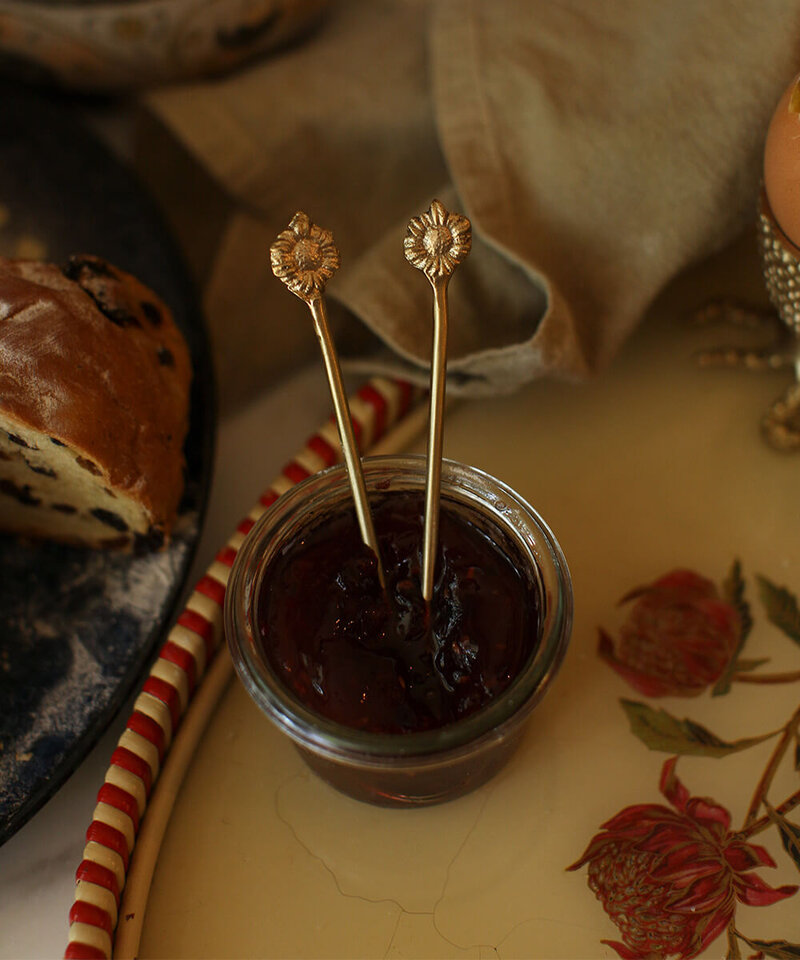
<point x="430" y="766"/>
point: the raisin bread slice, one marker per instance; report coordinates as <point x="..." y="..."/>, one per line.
<point x="94" y="405"/>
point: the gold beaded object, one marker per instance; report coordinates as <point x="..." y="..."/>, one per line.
<point x="781" y="265"/>
<point x="780" y="260"/>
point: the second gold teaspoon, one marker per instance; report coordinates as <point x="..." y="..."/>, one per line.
<point x="436" y="242"/>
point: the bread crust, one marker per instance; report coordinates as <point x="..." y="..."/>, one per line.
<point x="92" y="358"/>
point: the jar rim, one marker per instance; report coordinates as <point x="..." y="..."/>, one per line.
<point x="469" y="486"/>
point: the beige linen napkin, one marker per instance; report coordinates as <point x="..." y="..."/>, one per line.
<point x="599" y="146"/>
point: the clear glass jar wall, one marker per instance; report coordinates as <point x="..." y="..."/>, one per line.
<point x="410" y="768"/>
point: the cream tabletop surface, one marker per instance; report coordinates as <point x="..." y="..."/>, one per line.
<point x="654" y="465"/>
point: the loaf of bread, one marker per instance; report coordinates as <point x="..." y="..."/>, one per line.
<point x="94" y="405"/>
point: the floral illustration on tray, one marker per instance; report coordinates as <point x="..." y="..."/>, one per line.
<point x="671" y="876"/>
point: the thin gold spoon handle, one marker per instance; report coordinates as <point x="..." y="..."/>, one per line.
<point x="345" y="424"/>
<point x="436" y="242"/>
<point x="305" y="257"/>
<point x="433" y="479"/>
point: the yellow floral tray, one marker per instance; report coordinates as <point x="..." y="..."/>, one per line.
<point x="652" y="807"/>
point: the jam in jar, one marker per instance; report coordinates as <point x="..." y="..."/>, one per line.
<point x="379" y="660"/>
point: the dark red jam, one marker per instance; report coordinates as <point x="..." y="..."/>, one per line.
<point x="348" y="654"/>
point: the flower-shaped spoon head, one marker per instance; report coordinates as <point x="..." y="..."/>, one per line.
<point x="437" y="241"/>
<point x="304" y="257"/>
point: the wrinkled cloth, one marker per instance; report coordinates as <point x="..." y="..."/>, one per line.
<point x="597" y="147"/>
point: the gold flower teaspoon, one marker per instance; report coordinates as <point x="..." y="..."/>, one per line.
<point x="305" y="257"/>
<point x="436" y="242"/>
